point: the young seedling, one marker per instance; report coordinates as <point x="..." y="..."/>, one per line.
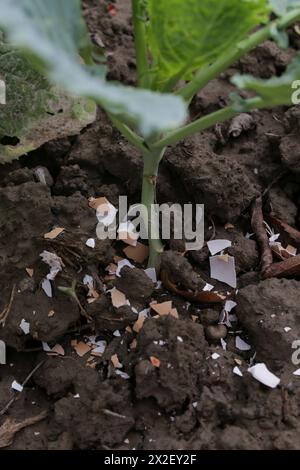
<point x="71" y="292"/>
<point x="180" y="46"/>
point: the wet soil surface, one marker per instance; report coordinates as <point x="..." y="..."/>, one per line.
<point x="166" y="381"/>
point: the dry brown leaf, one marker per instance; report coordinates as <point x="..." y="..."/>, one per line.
<point x="115" y="360"/>
<point x="229" y="226"/>
<point x="202" y="296"/>
<point x="81" y="348"/>
<point x="137" y="253"/>
<point x="288" y="267"/>
<point x="10" y="427"/>
<point x="54" y="233"/>
<point x="30" y="272"/>
<point x="194" y="318"/>
<point x="154" y="361"/>
<point x="163" y="308"/>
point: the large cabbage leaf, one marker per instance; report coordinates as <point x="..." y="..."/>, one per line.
<point x="184" y="35"/>
<point x="53" y="34"/>
<point x="32" y="111"/>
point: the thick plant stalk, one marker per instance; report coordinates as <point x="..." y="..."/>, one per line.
<point x="151" y="164"/>
<point x="140" y="43"/>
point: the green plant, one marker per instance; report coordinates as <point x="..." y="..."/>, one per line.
<point x="176" y="40"/>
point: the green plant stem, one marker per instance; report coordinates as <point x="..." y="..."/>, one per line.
<point x="129" y="134"/>
<point x="203" y="77"/>
<point x="140" y="44"/>
<point x="151" y="164"/>
<point x="207" y="121"/>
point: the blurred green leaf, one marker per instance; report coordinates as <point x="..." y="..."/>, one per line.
<point x="281" y="7"/>
<point x="53" y="34"/>
<point x="276" y="91"/>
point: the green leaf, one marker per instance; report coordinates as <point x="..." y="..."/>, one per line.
<point x="35" y="112"/>
<point x="281" y="7"/>
<point x="52" y="33"/>
<point x="280" y="36"/>
<point x="276" y="91"/>
<point x="185" y="35"/>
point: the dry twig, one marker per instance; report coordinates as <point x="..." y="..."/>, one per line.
<point x="258" y="226"/>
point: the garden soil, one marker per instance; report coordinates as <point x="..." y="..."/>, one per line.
<point x="167" y="383"/>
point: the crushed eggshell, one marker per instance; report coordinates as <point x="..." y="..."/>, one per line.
<point x="127" y="233"/>
<point x="51" y="313"/>
<point x="54" y="233"/>
<point x="25" y="326"/>
<point x="174" y="313"/>
<point x="140" y="321"/>
<point x="222" y="268"/>
<point x="90" y="243"/>
<point x="106" y="213"/>
<point x="229" y="305"/>
<point x="237" y="371"/>
<point x="151" y="273"/>
<point x="118" y="299"/>
<point x="58" y="349"/>
<point x="137" y="253"/>
<point x="163" y="308"/>
<point x="111" y="268"/>
<point x="215" y="356"/>
<point x="16" y="386"/>
<point x="46" y="346"/>
<point x="216" y="246"/>
<point x="2" y="352"/>
<point x="100" y="348"/>
<point x="47" y="288"/>
<point x="30" y="272"/>
<point x="100" y="202"/>
<point x="241" y="344"/>
<point x="291" y="250"/>
<point x="155" y="361"/>
<point x="121" y="264"/>
<point x="115" y="361"/>
<point x="122" y="374"/>
<point x="208" y="287"/>
<point x="54" y="262"/>
<point x="133" y="344"/>
<point x="81" y="348"/>
<point x="297" y="372"/>
<point x="261" y="373"/>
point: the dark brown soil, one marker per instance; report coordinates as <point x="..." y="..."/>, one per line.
<point x="191" y="401"/>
